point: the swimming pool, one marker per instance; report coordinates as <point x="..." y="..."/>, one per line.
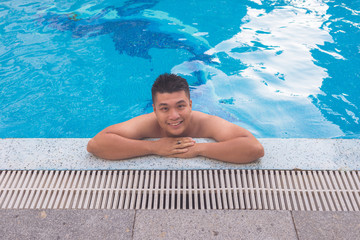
<point x="282" y="69"/>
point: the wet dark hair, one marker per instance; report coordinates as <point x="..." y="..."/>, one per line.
<point x="169" y="83"/>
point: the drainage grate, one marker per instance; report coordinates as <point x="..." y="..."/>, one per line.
<point x="183" y="189"/>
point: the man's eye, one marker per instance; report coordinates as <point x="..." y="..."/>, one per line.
<point x="181" y="106"/>
<point x="164" y="109"/>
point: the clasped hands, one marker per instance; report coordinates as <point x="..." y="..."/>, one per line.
<point x="181" y="147"/>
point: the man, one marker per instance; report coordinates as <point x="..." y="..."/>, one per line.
<point x="175" y="124"/>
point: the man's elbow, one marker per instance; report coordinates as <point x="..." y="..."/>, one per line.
<point x="99" y="150"/>
<point x="92" y="147"/>
<point x="258" y="151"/>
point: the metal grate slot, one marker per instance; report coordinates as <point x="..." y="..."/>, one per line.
<point x="188" y="189"/>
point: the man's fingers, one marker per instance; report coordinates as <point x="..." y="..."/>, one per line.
<point x="180" y="150"/>
<point x="184" y="142"/>
<point x="184" y="145"/>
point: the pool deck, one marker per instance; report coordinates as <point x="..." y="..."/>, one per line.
<point x="71" y="154"/>
<point x="64" y="154"/>
<point x="178" y="224"/>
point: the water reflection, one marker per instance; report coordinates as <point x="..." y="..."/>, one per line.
<point x="273" y="95"/>
<point x="339" y="99"/>
<point x="289" y="70"/>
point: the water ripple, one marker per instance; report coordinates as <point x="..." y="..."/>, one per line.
<point x="280" y="68"/>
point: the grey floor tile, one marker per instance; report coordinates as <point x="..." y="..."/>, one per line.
<point x="66" y="224"/>
<point x="327" y="225"/>
<point x="213" y="224"/>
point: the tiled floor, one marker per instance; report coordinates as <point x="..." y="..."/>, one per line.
<point x="177" y="224"/>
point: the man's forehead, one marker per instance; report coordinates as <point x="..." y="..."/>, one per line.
<point x="174" y="97"/>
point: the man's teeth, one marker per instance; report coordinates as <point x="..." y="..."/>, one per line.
<point x="175" y="124"/>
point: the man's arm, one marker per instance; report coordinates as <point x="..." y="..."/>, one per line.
<point x="237" y="150"/>
<point x="123" y="140"/>
<point x="234" y="143"/>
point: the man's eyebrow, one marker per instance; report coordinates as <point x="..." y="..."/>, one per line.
<point x="162" y="104"/>
<point x="165" y="104"/>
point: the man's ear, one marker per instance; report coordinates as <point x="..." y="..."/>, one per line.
<point x="190" y="103"/>
<point x="154" y="108"/>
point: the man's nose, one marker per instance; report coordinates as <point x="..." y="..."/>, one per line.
<point x="173" y="114"/>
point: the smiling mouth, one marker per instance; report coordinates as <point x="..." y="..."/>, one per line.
<point x="176" y="123"/>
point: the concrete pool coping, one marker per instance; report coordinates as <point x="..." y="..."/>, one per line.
<point x="286" y="154"/>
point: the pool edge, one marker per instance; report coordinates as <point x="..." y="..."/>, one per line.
<point x="280" y="154"/>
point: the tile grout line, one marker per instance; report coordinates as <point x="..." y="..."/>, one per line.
<point x="293" y="220"/>
<point x="133" y="228"/>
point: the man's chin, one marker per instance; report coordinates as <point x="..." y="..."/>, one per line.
<point x="177" y="133"/>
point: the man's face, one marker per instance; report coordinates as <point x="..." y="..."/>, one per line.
<point x="173" y="112"/>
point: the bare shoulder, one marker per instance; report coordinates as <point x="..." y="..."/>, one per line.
<point x="211" y="126"/>
<point x="143" y="126"/>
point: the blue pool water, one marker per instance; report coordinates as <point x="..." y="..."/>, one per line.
<point x="287" y="69"/>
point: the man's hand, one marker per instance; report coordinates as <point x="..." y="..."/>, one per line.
<point x="192" y="152"/>
<point x="168" y="147"/>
